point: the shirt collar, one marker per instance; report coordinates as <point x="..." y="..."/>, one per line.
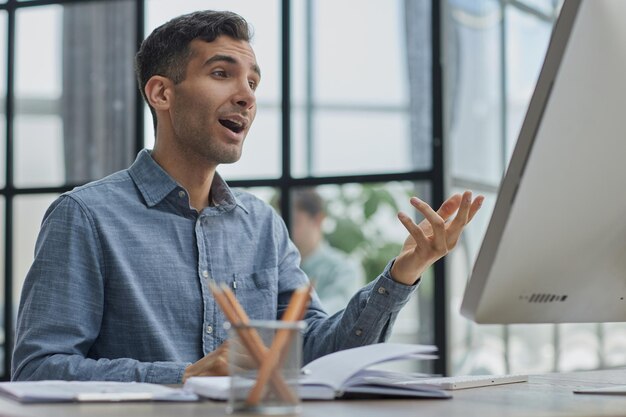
<point x="155" y="184"/>
<point x="222" y="196"/>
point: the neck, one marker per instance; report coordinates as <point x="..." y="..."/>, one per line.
<point x="190" y="171"/>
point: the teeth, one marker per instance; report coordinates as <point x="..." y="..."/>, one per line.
<point x="233" y="125"/>
<point x="239" y="124"/>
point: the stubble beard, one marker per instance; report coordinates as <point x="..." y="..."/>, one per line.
<point x="197" y="141"/>
<point x="212" y="151"/>
<point x="222" y="154"/>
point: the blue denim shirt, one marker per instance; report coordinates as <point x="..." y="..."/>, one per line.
<point x="118" y="287"/>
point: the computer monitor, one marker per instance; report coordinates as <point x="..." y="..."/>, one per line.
<point x="555" y="247"/>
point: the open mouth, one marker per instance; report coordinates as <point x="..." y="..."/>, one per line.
<point x="232" y="125"/>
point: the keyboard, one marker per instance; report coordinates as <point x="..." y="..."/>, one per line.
<point x="466" y="381"/>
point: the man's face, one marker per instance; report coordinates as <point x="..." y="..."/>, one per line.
<point x="301" y="228"/>
<point x="214" y="106"/>
<point x="306" y="229"/>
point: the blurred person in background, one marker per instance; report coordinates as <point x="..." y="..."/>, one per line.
<point x="336" y="276"/>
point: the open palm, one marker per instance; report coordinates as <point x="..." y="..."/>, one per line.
<point x="434" y="236"/>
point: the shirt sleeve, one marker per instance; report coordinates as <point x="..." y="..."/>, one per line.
<point x="61" y="308"/>
<point x="367" y="319"/>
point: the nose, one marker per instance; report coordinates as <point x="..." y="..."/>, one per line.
<point x="245" y="97"/>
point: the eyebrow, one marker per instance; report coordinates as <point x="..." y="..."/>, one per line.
<point x="229" y="59"/>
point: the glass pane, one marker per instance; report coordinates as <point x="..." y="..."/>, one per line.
<point x="3" y="69"/>
<point x="3" y="166"/>
<point x="476" y="349"/>
<point x="531" y="348"/>
<point x="148" y="141"/>
<point x="578" y="347"/>
<point x="352" y="142"/>
<point x="268" y="194"/>
<point x="359" y="66"/>
<point x="3" y="349"/>
<point x="39" y="159"/>
<point x="480" y="147"/>
<point x="474" y="90"/>
<point x="28" y="212"/>
<point x="473" y="349"/>
<point x="261" y="154"/>
<point x="362" y="89"/>
<point x="347" y="234"/>
<point x="613" y="344"/>
<point x="527" y="41"/>
<point x="548" y="7"/>
<point x="72" y="120"/>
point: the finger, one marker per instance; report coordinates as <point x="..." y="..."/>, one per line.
<point x="476" y="205"/>
<point x="213" y="364"/>
<point x="416" y="232"/>
<point x="446" y="210"/>
<point x="241" y="360"/>
<point x="239" y="356"/>
<point x="219" y="366"/>
<point x="460" y="220"/>
<point x="437" y="223"/>
<point x="462" y="215"/>
<point x="450" y="206"/>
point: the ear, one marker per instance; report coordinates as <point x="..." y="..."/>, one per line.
<point x="159" y="92"/>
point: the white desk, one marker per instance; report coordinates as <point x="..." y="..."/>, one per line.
<point x="544" y="395"/>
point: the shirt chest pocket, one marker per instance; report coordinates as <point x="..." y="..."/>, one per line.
<point x="257" y="292"/>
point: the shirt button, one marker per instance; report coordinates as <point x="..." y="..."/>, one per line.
<point x="181" y="194"/>
<point x="205" y="273"/>
<point x="382" y="290"/>
<point x="358" y="332"/>
<point x="209" y="329"/>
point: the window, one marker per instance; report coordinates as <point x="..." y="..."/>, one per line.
<point x="356" y="120"/>
<point x="350" y="90"/>
<point x="71" y="88"/>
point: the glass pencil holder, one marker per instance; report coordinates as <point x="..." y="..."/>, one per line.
<point x="264" y="362"/>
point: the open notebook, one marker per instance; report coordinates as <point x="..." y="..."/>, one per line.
<point x="345" y="374"/>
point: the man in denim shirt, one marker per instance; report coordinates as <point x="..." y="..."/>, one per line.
<point x="118" y="288"/>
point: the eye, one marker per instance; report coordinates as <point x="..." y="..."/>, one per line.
<point x="253" y="85"/>
<point x="219" y="73"/>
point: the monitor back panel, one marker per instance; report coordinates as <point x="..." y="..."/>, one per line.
<point x="555" y="248"/>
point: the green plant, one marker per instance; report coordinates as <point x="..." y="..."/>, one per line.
<point x="355" y="227"/>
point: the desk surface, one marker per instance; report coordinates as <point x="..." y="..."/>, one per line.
<point x="542" y="395"/>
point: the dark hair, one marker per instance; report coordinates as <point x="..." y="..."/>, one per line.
<point x="309" y="201"/>
<point x="166" y="50"/>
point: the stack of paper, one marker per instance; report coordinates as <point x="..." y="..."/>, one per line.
<point x="67" y="391"/>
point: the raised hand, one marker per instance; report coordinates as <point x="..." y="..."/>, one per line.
<point x="434" y="237"/>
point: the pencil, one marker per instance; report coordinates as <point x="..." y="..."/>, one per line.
<point x="295" y="311"/>
<point x="249" y="337"/>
